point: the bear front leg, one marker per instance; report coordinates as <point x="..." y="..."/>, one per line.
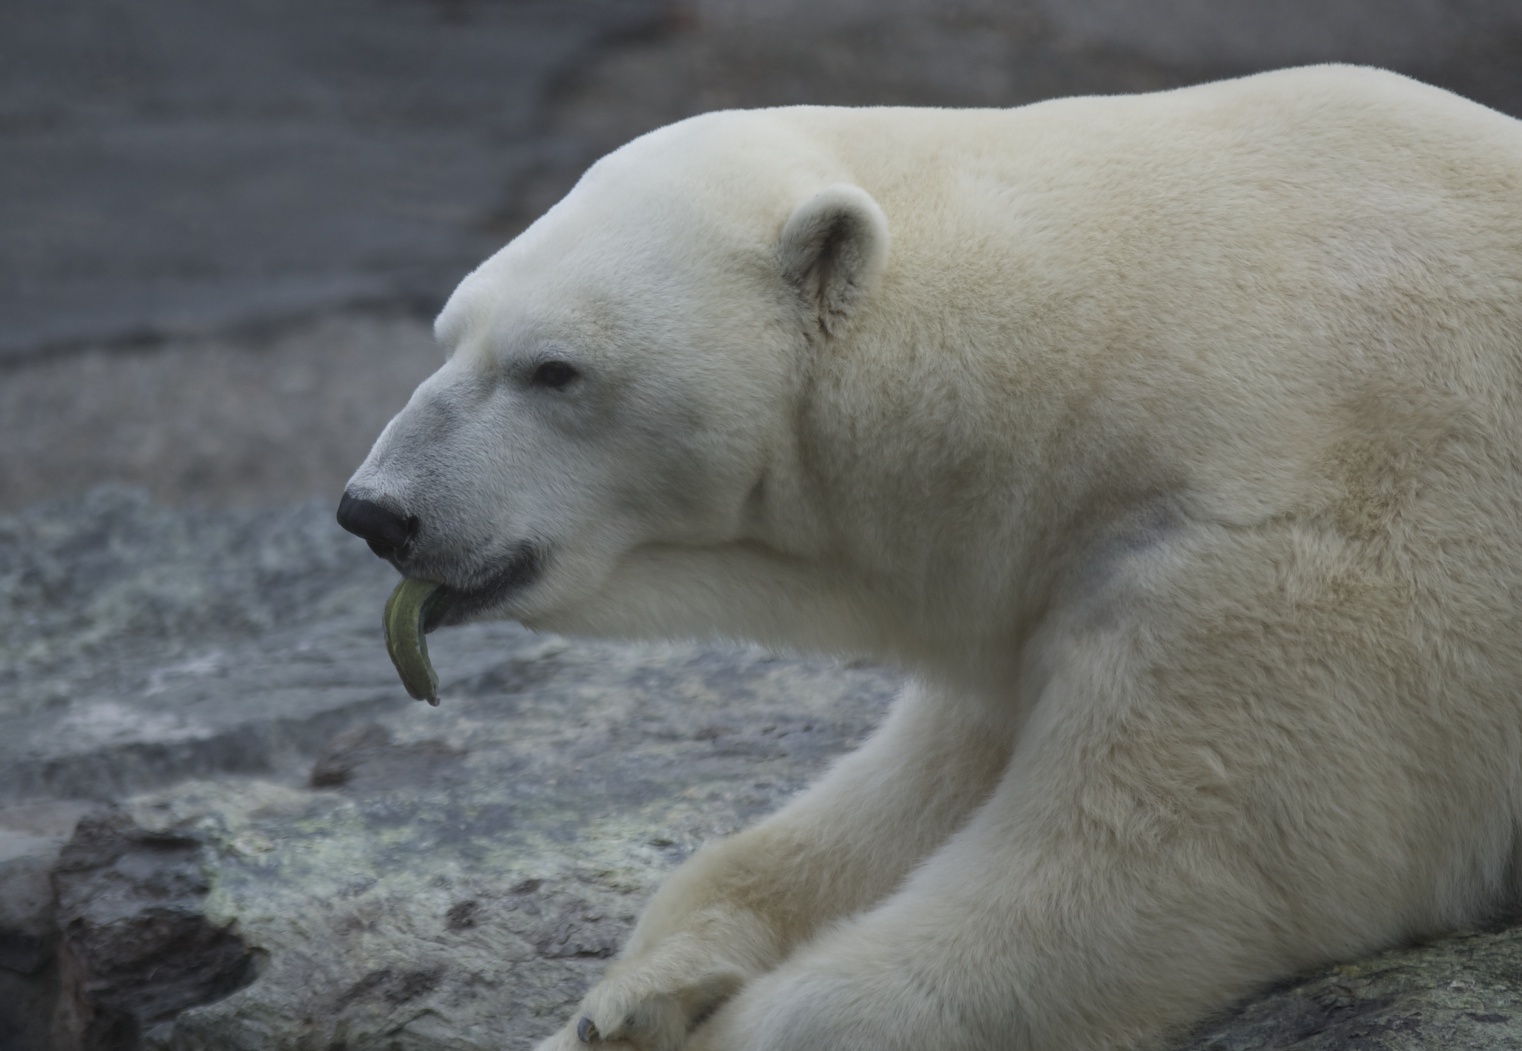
<point x="737" y="908"/>
<point x="1032" y="930"/>
<point x="1162" y="843"/>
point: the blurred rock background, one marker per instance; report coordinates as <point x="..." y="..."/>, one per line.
<point x="225" y="226"/>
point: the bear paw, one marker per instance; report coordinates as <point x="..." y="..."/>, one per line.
<point x="651" y="1007"/>
<point x="818" y="1005"/>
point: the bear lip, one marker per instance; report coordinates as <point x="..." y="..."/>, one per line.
<point x="454" y="606"/>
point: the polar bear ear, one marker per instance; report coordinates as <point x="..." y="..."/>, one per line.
<point x="833" y="248"/>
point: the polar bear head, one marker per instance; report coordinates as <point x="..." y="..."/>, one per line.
<point x="612" y="444"/>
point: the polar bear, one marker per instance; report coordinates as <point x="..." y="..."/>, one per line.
<point x="1172" y="445"/>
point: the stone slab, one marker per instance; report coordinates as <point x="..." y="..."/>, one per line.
<point x="386" y="869"/>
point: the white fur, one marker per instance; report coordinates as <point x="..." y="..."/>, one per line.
<point x="1171" y="442"/>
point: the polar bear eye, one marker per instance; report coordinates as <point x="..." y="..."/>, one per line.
<point x="555" y="375"/>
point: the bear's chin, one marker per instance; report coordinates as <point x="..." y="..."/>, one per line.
<point x="506" y="580"/>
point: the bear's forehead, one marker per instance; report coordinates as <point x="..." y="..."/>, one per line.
<point x="655" y="222"/>
<point x="497" y="316"/>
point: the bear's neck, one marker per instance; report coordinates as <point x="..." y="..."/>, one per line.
<point x="946" y="492"/>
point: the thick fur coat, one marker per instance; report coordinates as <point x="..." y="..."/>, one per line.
<point x="1171" y="443"/>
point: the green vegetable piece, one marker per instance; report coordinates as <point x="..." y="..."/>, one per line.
<point x="406" y="610"/>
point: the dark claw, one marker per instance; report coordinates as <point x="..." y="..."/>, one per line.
<point x="586" y="1031"/>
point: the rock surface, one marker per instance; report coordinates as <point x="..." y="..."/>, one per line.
<point x="443" y="877"/>
<point x="278" y="849"/>
<point x="1463" y="991"/>
<point x="183" y="165"/>
<point x="250" y="417"/>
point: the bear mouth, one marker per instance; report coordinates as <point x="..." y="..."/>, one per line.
<point x="451" y="606"/>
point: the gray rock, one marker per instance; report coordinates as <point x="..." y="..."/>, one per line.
<point x="140" y="646"/>
<point x="1458" y="992"/>
<point x="297" y="856"/>
<point x="428" y="877"/>
<point x="179" y="166"/>
<point x="453" y="878"/>
<point x="1434" y="37"/>
<point x="380" y="925"/>
<point x="137" y="945"/>
<point x="256" y="417"/>
<point x="31" y="838"/>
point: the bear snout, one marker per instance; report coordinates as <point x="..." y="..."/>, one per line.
<point x="388" y="532"/>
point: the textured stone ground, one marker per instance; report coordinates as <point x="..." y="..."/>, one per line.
<point x="292" y="853"/>
<point x="276" y="848"/>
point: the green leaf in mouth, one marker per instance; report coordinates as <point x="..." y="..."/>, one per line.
<point x="406" y="642"/>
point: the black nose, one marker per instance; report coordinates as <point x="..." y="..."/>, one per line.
<point x="387" y="532"/>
